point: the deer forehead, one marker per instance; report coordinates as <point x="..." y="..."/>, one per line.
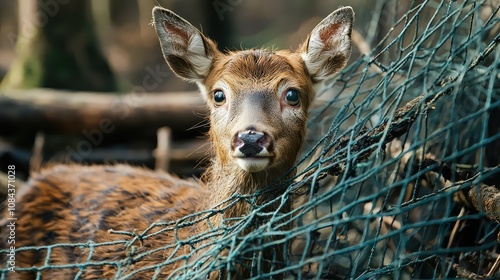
<point x="259" y="71"/>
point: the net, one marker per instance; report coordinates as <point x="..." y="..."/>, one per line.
<point x="399" y="176"/>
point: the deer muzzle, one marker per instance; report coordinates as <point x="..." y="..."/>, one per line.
<point x="252" y="150"/>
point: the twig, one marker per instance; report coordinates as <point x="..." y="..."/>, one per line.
<point x="494" y="267"/>
<point x="162" y="151"/>
<point x="37" y="158"/>
<point x="455" y="227"/>
<point x="480" y="57"/>
<point x="464" y="273"/>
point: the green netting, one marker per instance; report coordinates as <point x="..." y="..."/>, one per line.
<point x="399" y="153"/>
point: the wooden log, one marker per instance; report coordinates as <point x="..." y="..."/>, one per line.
<point x="186" y="158"/>
<point x="53" y="111"/>
<point x="184" y="151"/>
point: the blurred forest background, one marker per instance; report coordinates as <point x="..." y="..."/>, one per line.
<point x="109" y="47"/>
<point x="101" y="56"/>
<point x="129" y="44"/>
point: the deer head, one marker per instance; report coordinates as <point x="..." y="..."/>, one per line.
<point x="258" y="99"/>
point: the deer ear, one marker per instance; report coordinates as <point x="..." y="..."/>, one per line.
<point x="188" y="53"/>
<point x="328" y="46"/>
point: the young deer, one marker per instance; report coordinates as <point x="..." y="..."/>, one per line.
<point x="258" y="103"/>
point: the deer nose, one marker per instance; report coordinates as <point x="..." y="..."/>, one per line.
<point x="251" y="143"/>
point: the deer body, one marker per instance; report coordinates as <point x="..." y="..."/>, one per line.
<point x="258" y="103"/>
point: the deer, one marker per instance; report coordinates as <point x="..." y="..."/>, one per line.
<point x="258" y="101"/>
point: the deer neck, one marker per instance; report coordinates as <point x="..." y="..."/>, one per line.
<point x="227" y="183"/>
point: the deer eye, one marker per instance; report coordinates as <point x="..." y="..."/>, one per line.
<point x="292" y="97"/>
<point x="219" y="97"/>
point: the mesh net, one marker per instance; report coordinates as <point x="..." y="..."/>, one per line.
<point x="398" y="176"/>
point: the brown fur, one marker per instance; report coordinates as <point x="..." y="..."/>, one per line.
<point x="75" y="204"/>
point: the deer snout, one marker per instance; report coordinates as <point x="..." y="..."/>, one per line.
<point x="252" y="150"/>
<point x="251" y="143"/>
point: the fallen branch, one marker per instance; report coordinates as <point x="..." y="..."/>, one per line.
<point x="486" y="199"/>
<point x="53" y="111"/>
<point x="466" y="274"/>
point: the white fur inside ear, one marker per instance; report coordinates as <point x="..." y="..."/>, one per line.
<point x="317" y="52"/>
<point x="329" y="45"/>
<point x="181" y="43"/>
<point x="197" y="55"/>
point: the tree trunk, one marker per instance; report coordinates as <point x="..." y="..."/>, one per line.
<point x="57" y="48"/>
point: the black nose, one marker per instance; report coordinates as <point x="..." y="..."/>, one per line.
<point x="250" y="142"/>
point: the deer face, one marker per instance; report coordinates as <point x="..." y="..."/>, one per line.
<point x="258" y="99"/>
